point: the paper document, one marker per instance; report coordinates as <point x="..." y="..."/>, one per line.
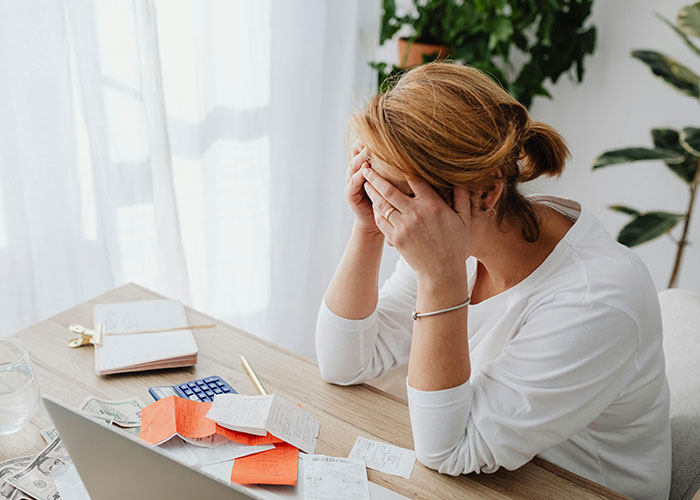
<point x="199" y="456"/>
<point x="277" y="466"/>
<point x="122" y="352"/>
<point x="249" y="439"/>
<point x="332" y="478"/>
<point x="175" y="416"/>
<point x="260" y="414"/>
<point x="384" y="457"/>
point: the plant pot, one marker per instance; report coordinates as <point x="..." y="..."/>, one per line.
<point x="411" y="54"/>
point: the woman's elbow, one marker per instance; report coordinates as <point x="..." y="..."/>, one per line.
<point x="330" y="374"/>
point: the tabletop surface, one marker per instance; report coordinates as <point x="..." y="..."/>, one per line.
<point x="344" y="412"/>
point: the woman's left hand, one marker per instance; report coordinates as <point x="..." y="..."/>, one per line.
<point x="430" y="235"/>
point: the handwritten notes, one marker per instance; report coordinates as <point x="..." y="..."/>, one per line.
<point x="122" y="352"/>
<point x="249" y="439"/>
<point x="384" y="457"/>
<point x="259" y="414"/>
<point x="332" y="478"/>
<point x="172" y="416"/>
<point x="277" y="466"/>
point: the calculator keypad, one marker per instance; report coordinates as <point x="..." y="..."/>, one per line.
<point x="204" y="389"/>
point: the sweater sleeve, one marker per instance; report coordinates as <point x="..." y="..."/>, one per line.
<point x="352" y="351"/>
<point x="565" y="365"/>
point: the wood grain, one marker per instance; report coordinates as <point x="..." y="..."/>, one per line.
<point x="344" y="412"/>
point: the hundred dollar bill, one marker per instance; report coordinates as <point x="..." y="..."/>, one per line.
<point x="8" y="468"/>
<point x="49" y="434"/>
<point x="124" y="412"/>
<point x="35" y="480"/>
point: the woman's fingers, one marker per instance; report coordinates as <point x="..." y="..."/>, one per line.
<point x="461" y="201"/>
<point x="356" y="147"/>
<point x="384" y="226"/>
<point x="357" y="161"/>
<point x="421" y="188"/>
<point x="387" y="190"/>
<point x="379" y="204"/>
<point x="354" y="186"/>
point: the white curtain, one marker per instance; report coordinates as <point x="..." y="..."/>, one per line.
<point x="195" y="148"/>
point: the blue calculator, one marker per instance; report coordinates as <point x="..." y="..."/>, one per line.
<point x="203" y="389"/>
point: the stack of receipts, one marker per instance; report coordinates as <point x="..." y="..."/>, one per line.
<point x="262" y="433"/>
<point x="259" y="415"/>
<point x="126" y="348"/>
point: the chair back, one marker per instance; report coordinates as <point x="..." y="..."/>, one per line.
<point x="680" y="314"/>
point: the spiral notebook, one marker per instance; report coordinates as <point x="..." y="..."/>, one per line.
<point x="125" y="350"/>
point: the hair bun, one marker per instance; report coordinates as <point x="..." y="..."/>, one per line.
<point x="545" y="152"/>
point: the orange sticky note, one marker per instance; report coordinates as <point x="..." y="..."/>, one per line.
<point x="174" y="415"/>
<point x="245" y="438"/>
<point x="278" y="466"/>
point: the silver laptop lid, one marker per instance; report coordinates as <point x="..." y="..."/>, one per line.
<point x="115" y="467"/>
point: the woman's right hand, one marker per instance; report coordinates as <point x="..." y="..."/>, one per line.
<point x="357" y="198"/>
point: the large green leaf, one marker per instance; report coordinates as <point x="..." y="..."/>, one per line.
<point x="667" y="138"/>
<point x="628" y="155"/>
<point x="671" y="71"/>
<point x="681" y="34"/>
<point x="689" y="19"/>
<point x="648" y="226"/>
<point x="625" y="210"/>
<point x="690" y="140"/>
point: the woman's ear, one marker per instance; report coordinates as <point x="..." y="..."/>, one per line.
<point x="489" y="197"/>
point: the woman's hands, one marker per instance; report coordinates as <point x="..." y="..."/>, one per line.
<point x="431" y="236"/>
<point x="355" y="194"/>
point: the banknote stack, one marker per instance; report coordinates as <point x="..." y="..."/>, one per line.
<point x="27" y="478"/>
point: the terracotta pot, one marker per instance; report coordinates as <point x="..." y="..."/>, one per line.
<point x="416" y="51"/>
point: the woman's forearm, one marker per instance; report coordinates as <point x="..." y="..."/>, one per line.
<point x="354" y="290"/>
<point x="440" y="349"/>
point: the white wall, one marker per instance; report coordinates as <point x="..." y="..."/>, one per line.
<point x="616" y="106"/>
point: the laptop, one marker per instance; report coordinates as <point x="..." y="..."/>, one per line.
<point x="115" y="467"/>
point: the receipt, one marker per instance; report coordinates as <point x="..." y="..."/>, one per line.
<point x="384" y="457"/>
<point x="332" y="478"/>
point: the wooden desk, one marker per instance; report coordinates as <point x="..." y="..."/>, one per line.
<point x="344" y="412"/>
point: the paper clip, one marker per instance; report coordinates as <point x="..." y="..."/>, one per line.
<point x="87" y="336"/>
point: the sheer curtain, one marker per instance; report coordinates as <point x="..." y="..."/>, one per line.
<point x="195" y="148"/>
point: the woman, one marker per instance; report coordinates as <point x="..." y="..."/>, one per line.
<point x="527" y="329"/>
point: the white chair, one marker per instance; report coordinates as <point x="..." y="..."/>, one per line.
<point x="680" y="314"/>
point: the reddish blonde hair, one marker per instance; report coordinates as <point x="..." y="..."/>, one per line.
<point x="451" y="125"/>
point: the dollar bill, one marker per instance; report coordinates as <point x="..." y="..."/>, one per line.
<point x="123" y="412"/>
<point x="8" y="468"/>
<point x="49" y="434"/>
<point x="35" y="480"/>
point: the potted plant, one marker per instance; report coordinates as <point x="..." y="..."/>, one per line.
<point x="678" y="149"/>
<point x="486" y="35"/>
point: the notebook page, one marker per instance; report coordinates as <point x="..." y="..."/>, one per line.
<point x="124" y="350"/>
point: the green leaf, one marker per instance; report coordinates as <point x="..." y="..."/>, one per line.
<point x="625" y="210"/>
<point x="681" y="34"/>
<point x="690" y="140"/>
<point x="667" y="138"/>
<point x="628" y="155"/>
<point x="689" y="19"/>
<point x="647" y="226"/>
<point x="671" y="71"/>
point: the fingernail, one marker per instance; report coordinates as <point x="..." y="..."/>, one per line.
<point x="365" y="171"/>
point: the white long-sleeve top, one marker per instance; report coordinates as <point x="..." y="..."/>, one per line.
<point x="566" y="365"/>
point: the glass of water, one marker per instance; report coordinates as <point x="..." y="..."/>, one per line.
<point x="19" y="392"/>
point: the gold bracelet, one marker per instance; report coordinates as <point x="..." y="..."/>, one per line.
<point x="416" y="315"/>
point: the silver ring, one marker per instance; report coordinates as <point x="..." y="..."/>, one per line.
<point x="389" y="211"/>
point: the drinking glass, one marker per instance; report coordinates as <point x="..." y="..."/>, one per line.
<point x="19" y="392"/>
